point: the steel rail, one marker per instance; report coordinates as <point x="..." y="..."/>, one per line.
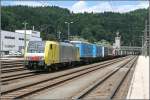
<point x="118" y="86"/>
<point x="75" y="73"/>
<point x="90" y="88"/>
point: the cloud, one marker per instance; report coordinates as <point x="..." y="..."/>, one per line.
<point x="85" y="6"/>
<point x="101" y="6"/>
<point x="127" y="8"/>
<point x="32" y="3"/>
<point x="81" y="6"/>
<point x="27" y="3"/>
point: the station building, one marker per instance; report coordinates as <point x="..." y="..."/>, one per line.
<point x="14" y="41"/>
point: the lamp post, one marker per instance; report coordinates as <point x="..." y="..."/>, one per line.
<point x="25" y="26"/>
<point x="68" y="23"/>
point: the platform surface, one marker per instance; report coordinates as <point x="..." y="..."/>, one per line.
<point x="139" y="88"/>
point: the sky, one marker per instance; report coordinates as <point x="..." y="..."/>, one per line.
<point x="79" y="6"/>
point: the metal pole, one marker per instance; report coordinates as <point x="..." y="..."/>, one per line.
<point x="142" y="46"/>
<point x="68" y="23"/>
<point x="145" y="39"/>
<point x="68" y="30"/>
<point x="149" y="32"/>
<point x="2" y="48"/>
<point x="25" y="36"/>
<point x="0" y="53"/>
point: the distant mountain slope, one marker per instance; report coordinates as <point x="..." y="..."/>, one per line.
<point x="91" y="26"/>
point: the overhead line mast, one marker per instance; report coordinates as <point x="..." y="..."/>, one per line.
<point x="149" y="32"/>
<point x="25" y="27"/>
<point x="145" y="39"/>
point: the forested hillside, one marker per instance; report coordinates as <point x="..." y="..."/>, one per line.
<point x="91" y="26"/>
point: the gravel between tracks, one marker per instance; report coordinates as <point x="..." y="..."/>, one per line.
<point x="68" y="89"/>
<point x="122" y="92"/>
<point x="106" y="89"/>
<point x="44" y="77"/>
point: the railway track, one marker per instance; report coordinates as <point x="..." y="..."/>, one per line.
<point x="20" y="90"/>
<point x="10" y="63"/>
<point x="16" y="75"/>
<point x="122" y="90"/>
<point x="13" y="69"/>
<point x="108" y="86"/>
<point x="12" y="66"/>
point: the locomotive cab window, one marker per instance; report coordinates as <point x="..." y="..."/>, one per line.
<point x="36" y="47"/>
<point x="51" y="46"/>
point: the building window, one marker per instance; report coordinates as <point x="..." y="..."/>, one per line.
<point x="9" y="37"/>
<point x="9" y="46"/>
<point x="21" y="38"/>
<point x="21" y="47"/>
<point x="34" y="32"/>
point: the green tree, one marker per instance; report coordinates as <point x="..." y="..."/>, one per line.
<point x="91" y="26"/>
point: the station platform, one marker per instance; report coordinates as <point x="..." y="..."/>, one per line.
<point x="139" y="88"/>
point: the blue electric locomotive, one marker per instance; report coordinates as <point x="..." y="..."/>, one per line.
<point x="90" y="51"/>
<point x="85" y="49"/>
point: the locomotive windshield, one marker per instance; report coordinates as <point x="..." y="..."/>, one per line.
<point x="36" y="47"/>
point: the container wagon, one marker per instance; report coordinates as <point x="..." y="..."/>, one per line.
<point x="97" y="52"/>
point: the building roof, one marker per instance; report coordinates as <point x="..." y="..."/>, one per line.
<point x="9" y="31"/>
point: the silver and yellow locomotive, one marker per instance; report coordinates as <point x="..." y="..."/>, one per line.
<point x="50" y="54"/>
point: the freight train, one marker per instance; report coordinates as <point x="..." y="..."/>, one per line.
<point x="48" y="55"/>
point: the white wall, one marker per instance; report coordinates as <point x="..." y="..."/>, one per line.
<point x="8" y="44"/>
<point x="17" y="39"/>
